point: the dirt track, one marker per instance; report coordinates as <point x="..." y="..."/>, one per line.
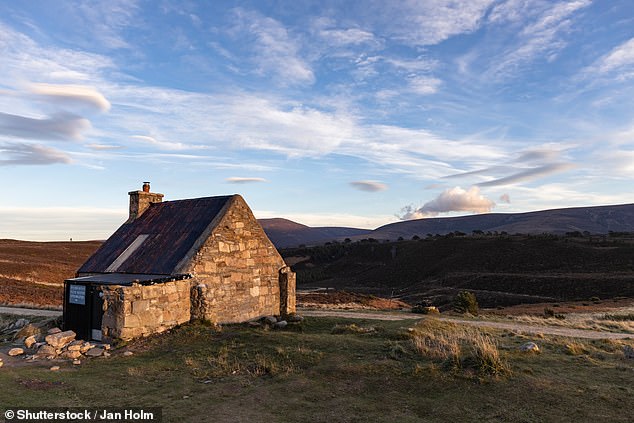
<point x="30" y="312"/>
<point x="516" y="327"/>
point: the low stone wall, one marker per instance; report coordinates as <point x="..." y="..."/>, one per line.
<point x="133" y="311"/>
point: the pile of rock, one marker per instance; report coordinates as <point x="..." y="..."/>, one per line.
<point x="59" y="345"/>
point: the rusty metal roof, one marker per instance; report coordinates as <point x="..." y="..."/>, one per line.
<point x="158" y="240"/>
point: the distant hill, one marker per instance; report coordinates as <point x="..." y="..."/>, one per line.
<point x="286" y="233"/>
<point x="596" y="220"/>
<point x="501" y="270"/>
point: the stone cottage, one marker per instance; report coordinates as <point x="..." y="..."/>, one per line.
<point x="175" y="261"/>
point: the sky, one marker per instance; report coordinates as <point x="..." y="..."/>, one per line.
<point x="328" y="113"/>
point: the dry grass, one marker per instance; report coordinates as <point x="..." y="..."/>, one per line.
<point x="459" y="347"/>
<point x="618" y="321"/>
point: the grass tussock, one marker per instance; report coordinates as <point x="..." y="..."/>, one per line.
<point x="459" y="347"/>
<point x="575" y="348"/>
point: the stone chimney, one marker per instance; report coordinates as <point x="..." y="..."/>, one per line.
<point x="141" y="200"/>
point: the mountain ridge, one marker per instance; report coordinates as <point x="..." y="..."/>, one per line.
<point x="594" y="219"/>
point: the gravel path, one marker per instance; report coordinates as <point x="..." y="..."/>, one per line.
<point x="30" y="312"/>
<point x="516" y="327"/>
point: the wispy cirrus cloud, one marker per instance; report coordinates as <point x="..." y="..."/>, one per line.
<point x="542" y="29"/>
<point x="428" y="23"/>
<point x="244" y="180"/>
<point x="529" y="174"/>
<point x="275" y="51"/>
<point x="424" y="85"/>
<point x="453" y="199"/>
<point x="168" y="145"/>
<point x="618" y="63"/>
<point x="543" y="162"/>
<point x="369" y="186"/>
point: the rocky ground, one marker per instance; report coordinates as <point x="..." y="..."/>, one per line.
<point x="37" y="342"/>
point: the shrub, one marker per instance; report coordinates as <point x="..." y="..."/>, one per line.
<point x="466" y="302"/>
<point x="549" y="312"/>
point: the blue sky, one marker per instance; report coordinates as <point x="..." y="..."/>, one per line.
<point x="354" y="113"/>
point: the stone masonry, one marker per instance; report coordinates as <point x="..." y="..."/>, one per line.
<point x="237" y="271"/>
<point x="133" y="311"/>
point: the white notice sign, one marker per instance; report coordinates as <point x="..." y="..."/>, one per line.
<point x="77" y="294"/>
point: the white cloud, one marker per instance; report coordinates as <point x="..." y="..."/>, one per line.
<point x="529" y="174"/>
<point x="244" y="180"/>
<point x="424" y="85"/>
<point x="369" y="186"/>
<point x="451" y="200"/>
<point x="31" y="154"/>
<point x="345" y="37"/>
<point x="275" y="51"/>
<point x="618" y="63"/>
<point x="431" y="22"/>
<point x="60" y="126"/>
<point x="505" y="198"/>
<point x="544" y="25"/>
<point x="167" y="145"/>
<point x="72" y="94"/>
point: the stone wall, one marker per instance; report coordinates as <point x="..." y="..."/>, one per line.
<point x="287" y="291"/>
<point x="133" y="311"/>
<point x="236" y="270"/>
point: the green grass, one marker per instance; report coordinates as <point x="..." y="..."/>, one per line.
<point x="316" y="373"/>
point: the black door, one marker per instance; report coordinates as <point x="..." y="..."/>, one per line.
<point x="77" y="309"/>
<point x="83" y="310"/>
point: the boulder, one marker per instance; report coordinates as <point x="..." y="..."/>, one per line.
<point x="530" y="347"/>
<point x="15" y="351"/>
<point x="71" y="354"/>
<point x="1" y="363"/>
<point x="27" y="331"/>
<point x="61" y="339"/>
<point x="52" y="331"/>
<point x="76" y="362"/>
<point x="294" y="318"/>
<point x="94" y="352"/>
<point x="76" y="347"/>
<point x="128" y="353"/>
<point x="269" y="320"/>
<point x="30" y="341"/>
<point x="46" y="351"/>
<point x="85" y="347"/>
<point x="54" y="368"/>
<point x="280" y="325"/>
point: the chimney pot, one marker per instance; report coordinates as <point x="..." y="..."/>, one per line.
<point x="146" y="187"/>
